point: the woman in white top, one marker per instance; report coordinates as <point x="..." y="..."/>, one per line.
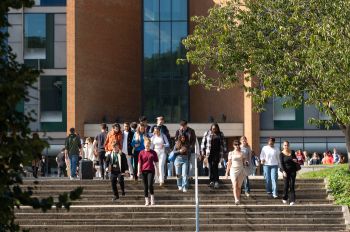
<point x="235" y="165"/>
<point x="89" y="152"/>
<point x="159" y="143"/>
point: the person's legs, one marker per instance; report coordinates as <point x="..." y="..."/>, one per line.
<point x="210" y="169"/>
<point x="150" y="180"/>
<point x="267" y="175"/>
<point x="145" y="183"/>
<point x="73" y="165"/>
<point x="121" y="183"/>
<point x="246" y="185"/>
<point x="178" y="172"/>
<point x="184" y="174"/>
<point x="286" y="181"/>
<point x="135" y="162"/>
<point x="292" y="186"/>
<point x="274" y="180"/>
<point x="215" y="170"/>
<point x="131" y="170"/>
<point x="101" y="160"/>
<point x="114" y="185"/>
<point x="162" y="161"/>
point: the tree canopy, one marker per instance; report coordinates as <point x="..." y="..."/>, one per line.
<point x="297" y="49"/>
<point x="17" y="146"/>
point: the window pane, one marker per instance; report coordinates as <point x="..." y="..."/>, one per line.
<point x="165" y="50"/>
<point x="51" y="106"/>
<point x="280" y="113"/>
<point x="315" y="147"/>
<point x="35" y="36"/>
<point x="151" y="10"/>
<point x="179" y="9"/>
<point x="52" y="2"/>
<point x="165" y="10"/>
<point x="178" y="51"/>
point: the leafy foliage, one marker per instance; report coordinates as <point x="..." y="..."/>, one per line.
<point x="339" y="182"/>
<point x="295" y="49"/>
<point x="17" y="147"/>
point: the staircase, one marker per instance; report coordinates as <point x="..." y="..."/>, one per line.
<point x="175" y="211"/>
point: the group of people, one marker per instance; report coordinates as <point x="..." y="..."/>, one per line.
<point x="140" y="150"/>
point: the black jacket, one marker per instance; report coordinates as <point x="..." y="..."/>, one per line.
<point x="130" y="136"/>
<point x="123" y="164"/>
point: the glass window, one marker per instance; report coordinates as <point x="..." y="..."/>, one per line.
<point x="151" y="10"/>
<point x="165" y="87"/>
<point x="35" y="36"/>
<point x="315" y="147"/>
<point x="280" y="113"/>
<point x="52" y="2"/>
<point x="179" y="10"/>
<point x="165" y="10"/>
<point x="51" y="101"/>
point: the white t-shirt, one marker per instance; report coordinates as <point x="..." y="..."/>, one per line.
<point x="158" y="142"/>
<point x="125" y="142"/>
<point x="270" y="155"/>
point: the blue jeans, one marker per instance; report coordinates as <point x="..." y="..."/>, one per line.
<point x="271" y="177"/>
<point x="181" y="164"/>
<point x="73" y="165"/>
<point x="246" y="185"/>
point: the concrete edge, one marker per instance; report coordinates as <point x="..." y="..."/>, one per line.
<point x="346" y="213"/>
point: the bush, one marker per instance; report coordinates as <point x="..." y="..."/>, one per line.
<point x="339" y="182"/>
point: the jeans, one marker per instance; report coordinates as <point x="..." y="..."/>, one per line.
<point x="130" y="167"/>
<point x="246" y="185"/>
<point x="162" y="160"/>
<point x="271" y="177"/>
<point x="73" y="165"/>
<point x="213" y="168"/>
<point x="101" y="161"/>
<point x="114" y="178"/>
<point x="148" y="178"/>
<point x="181" y="163"/>
<point x="289" y="184"/>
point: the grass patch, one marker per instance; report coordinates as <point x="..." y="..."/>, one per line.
<point x="338" y="179"/>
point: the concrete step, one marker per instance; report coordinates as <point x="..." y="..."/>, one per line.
<point x="181" y="214"/>
<point x="180" y="227"/>
<point x="227" y="208"/>
<point x="182" y="221"/>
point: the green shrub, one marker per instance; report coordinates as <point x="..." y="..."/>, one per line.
<point x="339" y="182"/>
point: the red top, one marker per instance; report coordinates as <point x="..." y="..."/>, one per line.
<point x="147" y="160"/>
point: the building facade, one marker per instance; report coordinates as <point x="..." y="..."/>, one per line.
<point x="114" y="60"/>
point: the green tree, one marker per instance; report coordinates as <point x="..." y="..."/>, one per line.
<point x="17" y="147"/>
<point x="297" y="49"/>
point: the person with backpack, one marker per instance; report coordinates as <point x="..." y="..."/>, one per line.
<point x="73" y="151"/>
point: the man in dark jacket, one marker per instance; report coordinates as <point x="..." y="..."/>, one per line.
<point x="117" y="167"/>
<point x="73" y="150"/>
<point x="99" y="145"/>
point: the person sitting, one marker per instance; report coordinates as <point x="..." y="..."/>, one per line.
<point x="328" y="158"/>
<point x="315" y="160"/>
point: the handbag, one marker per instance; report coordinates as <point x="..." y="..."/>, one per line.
<point x="298" y="166"/>
<point x="172" y="157"/>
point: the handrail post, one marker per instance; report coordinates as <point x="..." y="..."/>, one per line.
<point x="196" y="193"/>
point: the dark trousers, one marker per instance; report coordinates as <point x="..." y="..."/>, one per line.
<point x="135" y="162"/>
<point x="213" y="168"/>
<point x="148" y="179"/>
<point x="114" y="178"/>
<point x="289" y="186"/>
<point x="61" y="171"/>
<point x="101" y="161"/>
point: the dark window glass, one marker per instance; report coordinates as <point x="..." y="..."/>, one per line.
<point x="165" y="84"/>
<point x="51" y="99"/>
<point x="53" y="2"/>
<point x="151" y="10"/>
<point x="39" y="40"/>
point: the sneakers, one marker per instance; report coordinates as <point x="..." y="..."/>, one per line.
<point x="284" y="201"/>
<point x="123" y="193"/>
<point x="146" y="201"/>
<point x="115" y="198"/>
<point x="216" y="185"/>
<point x="211" y="184"/>
<point x="180" y="188"/>
<point x="247" y="194"/>
<point x="275" y="197"/>
<point x="161" y="184"/>
<point x="71" y="178"/>
<point x="152" y="200"/>
<point x="292" y="203"/>
<point x="184" y="190"/>
<point x="237" y="202"/>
